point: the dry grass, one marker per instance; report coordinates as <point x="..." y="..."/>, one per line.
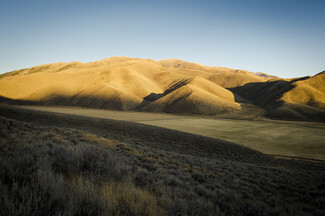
<point x="60" y="165"/>
<point x="126" y="199"/>
<point x="296" y="99"/>
<point x="123" y="83"/>
<point x="198" y="96"/>
<point x="50" y="171"/>
<point x="275" y="138"/>
<point x="308" y="92"/>
<point x="296" y="139"/>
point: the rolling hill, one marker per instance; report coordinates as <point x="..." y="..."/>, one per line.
<point x="169" y="85"/>
<point x="296" y="99"/>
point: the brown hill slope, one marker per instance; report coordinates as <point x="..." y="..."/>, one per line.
<point x="194" y="96"/>
<point x="308" y="92"/>
<point x="169" y="85"/>
<point x="121" y="83"/>
<point x="300" y="98"/>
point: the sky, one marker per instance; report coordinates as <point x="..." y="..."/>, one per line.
<point x="285" y="38"/>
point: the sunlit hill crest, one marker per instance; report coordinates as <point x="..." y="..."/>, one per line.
<point x="169" y="85"/>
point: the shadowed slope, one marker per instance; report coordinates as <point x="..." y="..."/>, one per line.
<point x="301" y="98"/>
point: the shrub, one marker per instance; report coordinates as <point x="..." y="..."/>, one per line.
<point x="126" y="199"/>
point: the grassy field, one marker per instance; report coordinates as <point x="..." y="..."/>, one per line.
<point x="281" y="139"/>
<point x="294" y="139"/>
<point x="59" y="164"/>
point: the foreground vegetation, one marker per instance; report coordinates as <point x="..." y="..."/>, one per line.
<point x="65" y="165"/>
<point x="49" y="171"/>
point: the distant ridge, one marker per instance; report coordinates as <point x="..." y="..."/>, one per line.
<point x="169" y="85"/>
<point x="266" y="75"/>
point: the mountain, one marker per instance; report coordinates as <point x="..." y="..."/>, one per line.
<point x="169" y="85"/>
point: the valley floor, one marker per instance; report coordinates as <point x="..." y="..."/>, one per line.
<point x="59" y="164"/>
<point x="281" y="138"/>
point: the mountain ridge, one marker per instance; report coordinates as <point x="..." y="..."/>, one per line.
<point x="169" y="85"/>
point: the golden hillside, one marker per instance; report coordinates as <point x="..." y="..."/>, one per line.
<point x="122" y="83"/>
<point x="169" y="85"/>
<point x="194" y="96"/>
<point x="308" y="92"/>
<point x="300" y="98"/>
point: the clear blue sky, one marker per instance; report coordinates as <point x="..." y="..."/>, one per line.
<point x="280" y="37"/>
